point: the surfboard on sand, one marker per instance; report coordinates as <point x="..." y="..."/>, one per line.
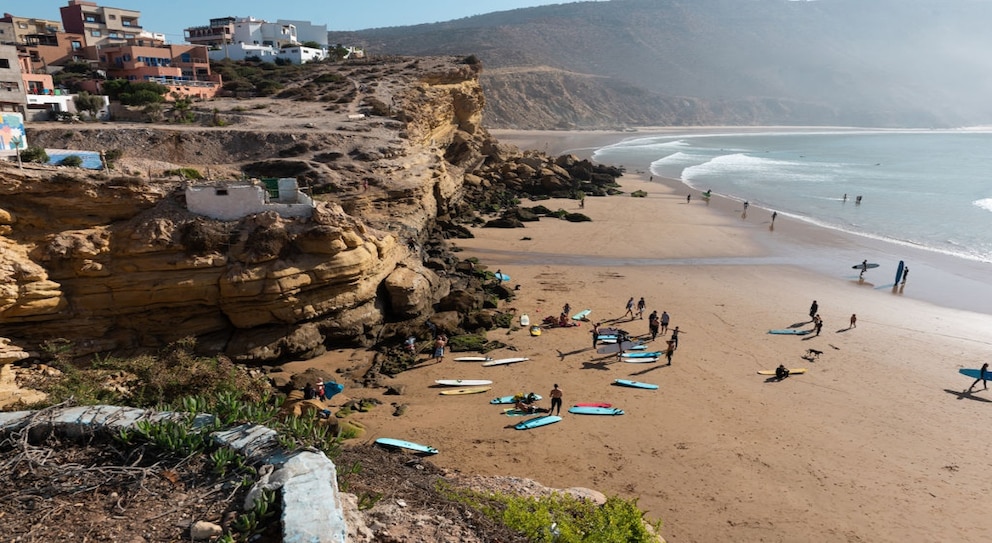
<point x="635" y="384"/>
<point x="790" y="331"/>
<point x="463" y="382"/>
<point x="642" y="360"/>
<point x="650" y="354"/>
<point x="460" y="391"/>
<point x="870" y="265"/>
<point x="581" y="314"/>
<point x="593" y="404"/>
<point x="535" y="330"/>
<point x="501" y="276"/>
<point x="401" y="444"/>
<point x="792" y="371"/>
<point x="509" y="399"/>
<point x="536" y="422"/>
<point x="595" y="411"/>
<point x="502" y="361"/>
<point x="974" y="373"/>
<point x="525" y="320"/>
<point x="473" y="359"/>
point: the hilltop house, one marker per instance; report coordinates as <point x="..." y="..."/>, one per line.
<point x="241" y="38"/>
<point x="233" y="200"/>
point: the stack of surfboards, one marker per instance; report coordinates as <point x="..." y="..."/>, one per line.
<point x="641" y="358"/>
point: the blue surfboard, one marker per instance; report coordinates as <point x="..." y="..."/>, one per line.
<point x="790" y="331"/>
<point x="537" y="422"/>
<point x="502" y="276"/>
<point x="651" y="354"/>
<point x="635" y="384"/>
<point x="509" y="399"/>
<point x="585" y="410"/>
<point x="401" y="444"/>
<point x="974" y="373"/>
<point x="899" y="269"/>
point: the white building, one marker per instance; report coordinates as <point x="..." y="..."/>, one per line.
<point x="233" y="200"/>
<point x="252" y="31"/>
<point x="297" y="54"/>
<point x="306" y="31"/>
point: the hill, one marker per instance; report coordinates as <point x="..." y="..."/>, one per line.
<point x="676" y="62"/>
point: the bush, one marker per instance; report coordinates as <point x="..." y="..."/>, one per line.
<point x="185" y="173"/>
<point x="468" y="342"/>
<point x="34" y="154"/>
<point x="639" y="194"/>
<point x="73" y="161"/>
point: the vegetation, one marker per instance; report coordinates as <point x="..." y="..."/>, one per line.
<point x="639" y="194"/>
<point x="89" y="103"/>
<point x="73" y="161"/>
<point x="563" y="518"/>
<point x="34" y="154"/>
<point x="185" y="173"/>
<point x="135" y="93"/>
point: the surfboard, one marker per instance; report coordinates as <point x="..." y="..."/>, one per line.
<point x="974" y="373"/>
<point x="524" y="320"/>
<point x="870" y="265"/>
<point x="639" y="347"/>
<point x="593" y="404"/>
<point x="899" y="269"/>
<point x="607" y="341"/>
<point x="642" y="360"/>
<point x="790" y="331"/>
<point x="792" y="371"/>
<point x="463" y="382"/>
<point x="577" y="410"/>
<point x="460" y="391"/>
<point x="581" y="314"/>
<point x="535" y="330"/>
<point x="635" y="384"/>
<point x="515" y="412"/>
<point x="473" y="359"/>
<point x="537" y="422"/>
<point x="614" y="348"/>
<point x="501" y="276"/>
<point x="650" y="354"/>
<point x="503" y="361"/>
<point x="509" y="399"/>
<point x="401" y="444"/>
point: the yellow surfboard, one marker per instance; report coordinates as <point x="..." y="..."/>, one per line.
<point x="792" y="371"/>
<point x="459" y="391"/>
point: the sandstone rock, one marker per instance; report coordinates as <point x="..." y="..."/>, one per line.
<point x="11" y="353"/>
<point x="461" y="301"/>
<point x="202" y="529"/>
<point x="410" y="291"/>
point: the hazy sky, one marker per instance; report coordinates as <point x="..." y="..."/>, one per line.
<point x="172" y="16"/>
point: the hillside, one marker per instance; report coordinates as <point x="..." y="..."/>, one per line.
<point x="673" y="62"/>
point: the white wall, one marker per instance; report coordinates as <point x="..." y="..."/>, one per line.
<point x="234" y="201"/>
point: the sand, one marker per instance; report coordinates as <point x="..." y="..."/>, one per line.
<point x="876" y="442"/>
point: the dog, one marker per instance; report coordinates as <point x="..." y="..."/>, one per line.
<point x="812" y="354"/>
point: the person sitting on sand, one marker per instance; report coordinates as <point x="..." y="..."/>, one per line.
<point x="563" y="320"/>
<point x="781" y="372"/>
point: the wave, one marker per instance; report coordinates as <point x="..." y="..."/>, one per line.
<point x="984" y="203"/>
<point x="744" y="166"/>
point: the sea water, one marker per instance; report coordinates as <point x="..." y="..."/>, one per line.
<point x="928" y="189"/>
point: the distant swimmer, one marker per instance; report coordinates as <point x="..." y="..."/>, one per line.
<point x="845" y="197"/>
<point x="774" y="215"/>
<point x="857" y="200"/>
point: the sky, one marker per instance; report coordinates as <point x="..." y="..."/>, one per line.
<point x="170" y="17"/>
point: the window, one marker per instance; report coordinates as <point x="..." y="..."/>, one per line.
<point x="113" y="17"/>
<point x="22" y="25"/>
<point x="129" y="36"/>
<point x="114" y="35"/>
<point x="221" y="192"/>
<point x="90" y="19"/>
<point x="4" y="63"/>
<point x="185" y="57"/>
<point x="95" y="33"/>
<point x="76" y="44"/>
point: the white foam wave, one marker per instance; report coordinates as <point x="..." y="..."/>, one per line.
<point x="984" y="203"/>
<point x="745" y="166"/>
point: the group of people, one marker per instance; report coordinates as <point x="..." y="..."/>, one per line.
<point x="658" y="324"/>
<point x="311" y="392"/>
<point x="641" y="306"/>
<point x="527" y="403"/>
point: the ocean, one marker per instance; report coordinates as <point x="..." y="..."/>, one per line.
<point x="926" y="189"/>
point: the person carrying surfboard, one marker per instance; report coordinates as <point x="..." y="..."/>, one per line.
<point x="983" y="376"/>
<point x="864" y="267"/>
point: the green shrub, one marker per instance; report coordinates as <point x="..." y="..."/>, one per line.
<point x="34" y="154"/>
<point x="185" y="173"/>
<point x="639" y="194"/>
<point x="73" y="161"/>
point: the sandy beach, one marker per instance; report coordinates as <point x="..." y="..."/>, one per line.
<point x="876" y="442"/>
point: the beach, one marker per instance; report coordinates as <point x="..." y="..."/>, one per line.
<point x="875" y="442"/>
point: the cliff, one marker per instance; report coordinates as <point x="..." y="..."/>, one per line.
<point x="115" y="261"/>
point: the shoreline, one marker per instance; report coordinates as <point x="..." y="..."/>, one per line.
<point x="942" y="279"/>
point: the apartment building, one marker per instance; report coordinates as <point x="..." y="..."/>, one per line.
<point x="185" y="69"/>
<point x="12" y="95"/>
<point x="100" y="25"/>
<point x="15" y="30"/>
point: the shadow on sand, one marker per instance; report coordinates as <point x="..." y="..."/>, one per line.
<point x="966" y="394"/>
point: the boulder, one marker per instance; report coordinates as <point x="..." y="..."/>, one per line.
<point x="410" y="291"/>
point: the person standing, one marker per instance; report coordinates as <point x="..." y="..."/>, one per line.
<point x="688" y="198"/>
<point x="812" y="309"/>
<point x="819" y="324"/>
<point x="774" y="215"/>
<point x="566" y="309"/>
<point x="595" y="335"/>
<point x="555" y="400"/>
<point x="664" y="322"/>
<point x="439" y="345"/>
<point x="321" y="394"/>
<point x="675" y="338"/>
<point x="983" y="376"/>
<point x="854" y="321"/>
<point x="670" y="351"/>
<point x="905" y="274"/>
<point x="641" y="305"/>
<point x="630" y="308"/>
<point x="653" y="324"/>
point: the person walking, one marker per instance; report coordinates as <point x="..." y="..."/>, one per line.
<point x="774" y="216"/>
<point x="688" y="198"/>
<point x="813" y="309"/>
<point x="439" y="344"/>
<point x="675" y="338"/>
<point x="555" y="400"/>
<point x="653" y="324"/>
<point x="983" y="376"/>
<point x="630" y="308"/>
<point x="854" y="321"/>
<point x="819" y="324"/>
<point x="641" y="305"/>
<point x="905" y="274"/>
<point x="664" y="322"/>
<point x="669" y="352"/>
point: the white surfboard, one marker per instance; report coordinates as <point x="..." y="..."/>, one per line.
<point x="503" y="361"/>
<point x="463" y="382"/>
<point x="473" y="359"/>
<point x="524" y="320"/>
